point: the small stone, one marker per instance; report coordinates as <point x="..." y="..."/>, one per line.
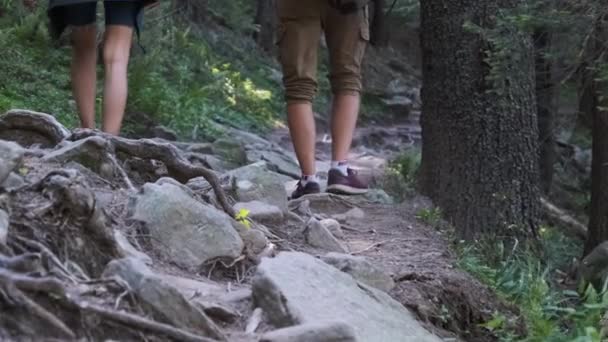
<point x="90" y="152"/>
<point x="10" y="157"/>
<point x="351" y="215"/>
<point x="4" y="222"/>
<point x="319" y="236"/>
<point x="361" y="269"/>
<point x="13" y="182"/>
<point x="262" y="212"/>
<point x="128" y="250"/>
<point x="334" y="227"/>
<point x="313" y="332"/>
<point x="379" y="196"/>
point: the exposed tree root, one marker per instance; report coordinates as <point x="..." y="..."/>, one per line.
<point x="12" y="290"/>
<point x="141" y="323"/>
<point x="42" y="124"/>
<point x="178" y="166"/>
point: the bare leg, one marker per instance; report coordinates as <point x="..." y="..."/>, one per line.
<point x="117" y="47"/>
<point x="345" y="111"/>
<point x="303" y="134"/>
<point x="84" y="73"/>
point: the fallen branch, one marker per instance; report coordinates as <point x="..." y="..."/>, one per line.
<point x="563" y="219"/>
<point x="25" y="263"/>
<point x="30" y="284"/>
<point x="177" y="165"/>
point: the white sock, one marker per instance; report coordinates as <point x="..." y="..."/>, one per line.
<point x="305" y="179"/>
<point x="341" y="166"/>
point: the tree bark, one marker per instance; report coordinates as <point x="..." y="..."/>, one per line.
<point x="545" y="105"/>
<point x="479" y="134"/>
<point x="266" y="19"/>
<point x="598" y="220"/>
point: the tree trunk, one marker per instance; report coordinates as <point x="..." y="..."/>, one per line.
<point x="379" y="36"/>
<point x="266" y="19"/>
<point x="598" y="220"/>
<point x="479" y="131"/>
<point x="545" y="105"/>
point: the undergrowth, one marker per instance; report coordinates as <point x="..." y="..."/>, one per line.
<point x="189" y="77"/>
<point x="551" y="310"/>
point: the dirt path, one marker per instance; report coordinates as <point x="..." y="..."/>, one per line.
<point x="449" y="301"/>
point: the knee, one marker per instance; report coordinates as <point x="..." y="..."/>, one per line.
<point x="113" y="57"/>
<point x="346" y="82"/>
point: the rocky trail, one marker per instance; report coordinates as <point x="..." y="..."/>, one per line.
<point x="107" y="238"/>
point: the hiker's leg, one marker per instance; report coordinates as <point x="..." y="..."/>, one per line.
<point x="347" y="36"/>
<point x="299" y="34"/>
<point x="120" y="20"/>
<point x="84" y="60"/>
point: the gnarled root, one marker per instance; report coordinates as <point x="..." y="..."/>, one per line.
<point x="179" y="166"/>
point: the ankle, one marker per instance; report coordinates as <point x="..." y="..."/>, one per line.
<point x="305" y="179"/>
<point x="340" y="165"/>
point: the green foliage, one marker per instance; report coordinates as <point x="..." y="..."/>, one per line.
<point x="550" y="312"/>
<point x="430" y="216"/>
<point x="399" y="180"/>
<point x="185" y="81"/>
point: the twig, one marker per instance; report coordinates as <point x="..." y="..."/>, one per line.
<point x="377" y="244"/>
<point x="47" y="253"/>
<point x="122" y="172"/>
<point x="254" y="321"/>
<point x="142" y="323"/>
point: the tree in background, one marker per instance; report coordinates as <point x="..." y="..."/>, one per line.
<point x="479" y="123"/>
<point x="598" y="86"/>
<point x="266" y="21"/>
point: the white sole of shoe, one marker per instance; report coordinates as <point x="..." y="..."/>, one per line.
<point x="345" y="190"/>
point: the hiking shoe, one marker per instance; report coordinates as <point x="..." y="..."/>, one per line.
<point x="309" y="189"/>
<point x="352" y="184"/>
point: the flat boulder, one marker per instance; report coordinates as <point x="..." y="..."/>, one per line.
<point x="296" y="288"/>
<point x="184" y="230"/>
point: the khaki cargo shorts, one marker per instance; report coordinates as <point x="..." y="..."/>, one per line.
<point x="301" y="23"/>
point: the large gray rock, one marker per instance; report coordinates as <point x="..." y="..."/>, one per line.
<point x="162" y="298"/>
<point x="319" y="236"/>
<point x="296" y="288"/>
<point x="262" y="212"/>
<point x="10" y="157"/>
<point x="257" y="182"/>
<point x="183" y="229"/>
<point x="3" y="226"/>
<point x="361" y="269"/>
<point x="313" y="332"/>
